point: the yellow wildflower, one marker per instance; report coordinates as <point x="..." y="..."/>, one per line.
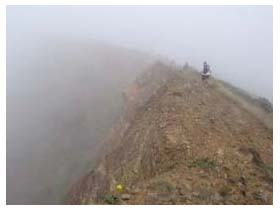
<point x="119" y="187"/>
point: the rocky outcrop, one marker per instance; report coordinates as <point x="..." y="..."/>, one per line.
<point x="135" y="96"/>
<point x="181" y="141"/>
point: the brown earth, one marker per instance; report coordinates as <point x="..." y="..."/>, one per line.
<point x="182" y="141"/>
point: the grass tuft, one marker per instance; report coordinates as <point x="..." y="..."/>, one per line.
<point x="204" y="163"/>
<point x="111" y="199"/>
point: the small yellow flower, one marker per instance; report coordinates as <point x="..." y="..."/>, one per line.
<point x="119" y="187"/>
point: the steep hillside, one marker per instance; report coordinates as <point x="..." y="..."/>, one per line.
<point x="182" y="141"/>
<point x="62" y="97"/>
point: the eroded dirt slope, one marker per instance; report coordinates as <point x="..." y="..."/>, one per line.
<point x="181" y="141"/>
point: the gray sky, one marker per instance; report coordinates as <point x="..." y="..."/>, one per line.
<point x="235" y="40"/>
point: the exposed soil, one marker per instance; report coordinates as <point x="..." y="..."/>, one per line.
<point x="182" y="141"/>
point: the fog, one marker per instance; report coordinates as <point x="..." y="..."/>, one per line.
<point x="67" y="66"/>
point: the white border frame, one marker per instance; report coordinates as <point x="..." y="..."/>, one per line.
<point x="276" y="84"/>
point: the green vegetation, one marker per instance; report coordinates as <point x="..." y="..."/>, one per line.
<point x="265" y="104"/>
<point x="262" y="102"/>
<point x="204" y="163"/>
<point x="111" y="199"/>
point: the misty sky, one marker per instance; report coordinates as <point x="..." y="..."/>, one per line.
<point x="235" y="40"/>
